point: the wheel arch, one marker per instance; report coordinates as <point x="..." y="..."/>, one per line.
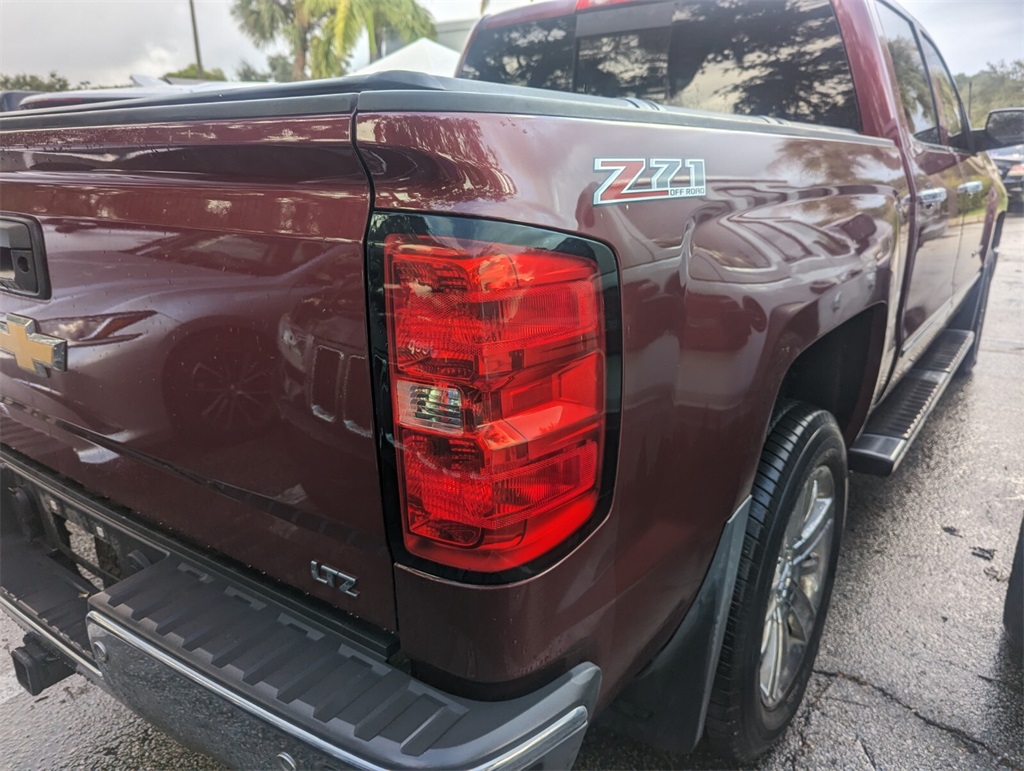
<point x="839" y="371"/>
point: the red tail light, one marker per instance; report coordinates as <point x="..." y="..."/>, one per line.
<point x="497" y="376"/>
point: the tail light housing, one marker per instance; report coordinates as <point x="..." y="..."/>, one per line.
<point x="496" y="367"/>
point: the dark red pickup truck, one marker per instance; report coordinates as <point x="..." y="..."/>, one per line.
<point x="402" y="422"/>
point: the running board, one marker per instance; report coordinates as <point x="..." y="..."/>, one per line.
<point x="892" y="427"/>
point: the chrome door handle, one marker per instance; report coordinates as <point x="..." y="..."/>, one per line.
<point x="932" y="196"/>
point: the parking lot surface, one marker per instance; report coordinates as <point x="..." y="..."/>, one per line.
<point x="913" y="671"/>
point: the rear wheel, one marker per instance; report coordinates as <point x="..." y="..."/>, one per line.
<point x="783" y="585"/>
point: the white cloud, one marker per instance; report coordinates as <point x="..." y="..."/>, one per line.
<point x="105" y="41"/>
<point x="971" y="34"/>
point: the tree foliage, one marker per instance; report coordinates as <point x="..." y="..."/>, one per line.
<point x="279" y="70"/>
<point x="405" y="19"/>
<point x="297" y="22"/>
<point x="998" y="85"/>
<point x="24" y="82"/>
<point x="192" y="71"/>
<point x="321" y="34"/>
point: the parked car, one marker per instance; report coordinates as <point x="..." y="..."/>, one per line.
<point x="1010" y="162"/>
<point x="562" y="368"/>
<point x="9" y="100"/>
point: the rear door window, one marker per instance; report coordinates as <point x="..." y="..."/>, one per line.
<point x="951" y="130"/>
<point x="911" y="75"/>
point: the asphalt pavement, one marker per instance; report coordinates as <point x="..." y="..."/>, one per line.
<point x="913" y="671"/>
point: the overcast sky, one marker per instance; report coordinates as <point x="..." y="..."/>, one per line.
<point x="104" y="41"/>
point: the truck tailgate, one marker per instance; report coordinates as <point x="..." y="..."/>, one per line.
<point x="207" y="277"/>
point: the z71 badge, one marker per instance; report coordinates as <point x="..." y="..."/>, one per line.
<point x="648" y="179"/>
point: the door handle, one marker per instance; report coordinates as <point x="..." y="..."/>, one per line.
<point x="932" y="196"/>
<point x="22" y="268"/>
<point x="970" y="188"/>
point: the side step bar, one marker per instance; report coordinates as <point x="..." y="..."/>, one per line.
<point x="896" y="423"/>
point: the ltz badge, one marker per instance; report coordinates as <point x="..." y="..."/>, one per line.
<point x="648" y="179"/>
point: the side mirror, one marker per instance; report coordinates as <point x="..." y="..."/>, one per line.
<point x="1003" y="128"/>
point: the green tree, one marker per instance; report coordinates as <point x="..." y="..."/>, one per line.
<point x="377" y="18"/>
<point x="25" y="82"/>
<point x="301" y="23"/>
<point x="247" y="73"/>
<point x="998" y="85"/>
<point x="192" y="71"/>
<point x="279" y="70"/>
<point x="321" y="34"/>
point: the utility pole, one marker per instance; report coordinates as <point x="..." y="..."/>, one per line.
<point x="195" y="38"/>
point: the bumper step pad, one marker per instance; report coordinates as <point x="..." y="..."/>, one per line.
<point x="44" y="595"/>
<point x="893" y="427"/>
<point x="181" y="625"/>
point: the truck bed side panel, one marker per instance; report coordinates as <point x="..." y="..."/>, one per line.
<point x="719" y="292"/>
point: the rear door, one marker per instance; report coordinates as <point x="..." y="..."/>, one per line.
<point x="206" y="276"/>
<point x="937" y="188"/>
<point x="974" y="192"/>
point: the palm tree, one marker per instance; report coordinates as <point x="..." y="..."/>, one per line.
<point x="300" y="22"/>
<point x="322" y="33"/>
<point x="377" y="18"/>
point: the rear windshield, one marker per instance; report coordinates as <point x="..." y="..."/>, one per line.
<point x="538" y="54"/>
<point x="744" y="57"/>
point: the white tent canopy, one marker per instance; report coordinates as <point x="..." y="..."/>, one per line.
<point x="422" y="55"/>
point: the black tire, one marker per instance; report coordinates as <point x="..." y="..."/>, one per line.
<point x="804" y="447"/>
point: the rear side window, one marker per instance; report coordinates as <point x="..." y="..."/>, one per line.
<point x="745" y="57"/>
<point x="536" y="54"/>
<point x="911" y="75"/>
<point x="945" y="93"/>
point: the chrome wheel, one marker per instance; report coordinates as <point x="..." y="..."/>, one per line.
<point x="798" y="586"/>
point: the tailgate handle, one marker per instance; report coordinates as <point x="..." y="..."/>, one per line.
<point x="22" y="266"/>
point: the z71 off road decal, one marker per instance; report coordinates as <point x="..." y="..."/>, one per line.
<point x="659" y="179"/>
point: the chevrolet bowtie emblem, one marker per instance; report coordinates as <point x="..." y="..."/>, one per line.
<point x="32" y="350"/>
